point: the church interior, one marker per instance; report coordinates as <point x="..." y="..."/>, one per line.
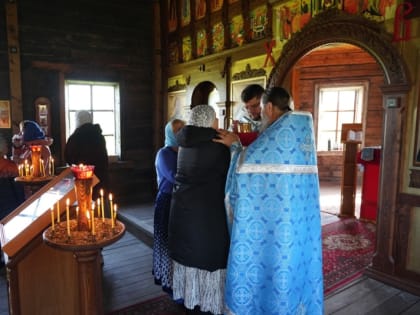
<point x="137" y="64"/>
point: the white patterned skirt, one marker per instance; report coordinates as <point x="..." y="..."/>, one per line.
<point x="199" y="287"/>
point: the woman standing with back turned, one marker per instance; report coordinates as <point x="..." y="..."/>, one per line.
<point x="165" y="163"/>
<point x="198" y="234"/>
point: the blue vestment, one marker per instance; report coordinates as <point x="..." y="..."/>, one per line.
<point x="272" y="200"/>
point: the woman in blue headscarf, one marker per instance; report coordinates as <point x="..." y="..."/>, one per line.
<point x="165" y="163"/>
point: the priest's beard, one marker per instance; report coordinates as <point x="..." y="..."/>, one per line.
<point x="264" y="123"/>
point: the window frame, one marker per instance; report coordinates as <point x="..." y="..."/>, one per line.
<point x="364" y="85"/>
<point x="116" y="110"/>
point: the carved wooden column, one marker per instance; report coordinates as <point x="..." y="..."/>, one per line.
<point x="384" y="258"/>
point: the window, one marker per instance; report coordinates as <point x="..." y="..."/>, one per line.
<point x="337" y="106"/>
<point x="102" y="100"/>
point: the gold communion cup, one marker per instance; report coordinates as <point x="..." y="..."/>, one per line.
<point x="83" y="185"/>
<point x="244" y="127"/>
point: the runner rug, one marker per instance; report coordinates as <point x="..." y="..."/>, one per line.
<point x="348" y="246"/>
<point x="162" y="305"/>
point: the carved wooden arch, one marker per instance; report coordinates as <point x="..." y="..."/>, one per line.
<point x="332" y="26"/>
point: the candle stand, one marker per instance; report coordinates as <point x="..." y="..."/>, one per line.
<point x="86" y="248"/>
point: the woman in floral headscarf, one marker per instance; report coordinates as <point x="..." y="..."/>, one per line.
<point x="198" y="234"/>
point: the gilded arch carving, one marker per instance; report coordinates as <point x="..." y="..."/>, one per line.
<point x="333" y="26"/>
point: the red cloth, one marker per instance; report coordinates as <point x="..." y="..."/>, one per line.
<point x="247" y="138"/>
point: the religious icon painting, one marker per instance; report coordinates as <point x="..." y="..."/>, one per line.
<point x="201" y="42"/>
<point x="237" y="32"/>
<point x="287" y="20"/>
<point x="5" y="115"/>
<point x="258" y="20"/>
<point x="172" y="17"/>
<point x="173" y="53"/>
<point x="215" y="5"/>
<point x="218" y="33"/>
<point x="305" y="12"/>
<point x="186" y="49"/>
<point x="185" y="12"/>
<point x="200" y="9"/>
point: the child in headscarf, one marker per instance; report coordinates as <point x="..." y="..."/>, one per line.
<point x="165" y="163"/>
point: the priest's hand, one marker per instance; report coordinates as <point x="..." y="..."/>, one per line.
<point x="226" y="137"/>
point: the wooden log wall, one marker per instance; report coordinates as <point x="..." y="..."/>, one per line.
<point x="339" y="65"/>
<point x="90" y="40"/>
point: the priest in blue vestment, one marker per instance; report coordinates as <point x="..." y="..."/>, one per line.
<point x="272" y="203"/>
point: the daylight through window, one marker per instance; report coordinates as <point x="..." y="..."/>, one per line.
<point x="102" y="100"/>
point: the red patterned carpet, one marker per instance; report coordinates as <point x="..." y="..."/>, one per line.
<point x="348" y="246"/>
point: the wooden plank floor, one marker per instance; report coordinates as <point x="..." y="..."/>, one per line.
<point x="127" y="277"/>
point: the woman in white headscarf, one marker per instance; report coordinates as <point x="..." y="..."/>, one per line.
<point x="198" y="234"/>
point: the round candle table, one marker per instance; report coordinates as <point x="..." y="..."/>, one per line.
<point x="86" y="247"/>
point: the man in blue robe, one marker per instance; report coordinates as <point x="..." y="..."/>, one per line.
<point x="272" y="202"/>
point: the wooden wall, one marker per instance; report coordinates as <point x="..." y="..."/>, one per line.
<point x="90" y="40"/>
<point x="337" y="65"/>
<point x="340" y="64"/>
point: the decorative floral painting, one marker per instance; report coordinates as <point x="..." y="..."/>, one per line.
<point x="186" y="49"/>
<point x="215" y="5"/>
<point x="237" y="33"/>
<point x="258" y="20"/>
<point x="185" y="12"/>
<point x="172" y="18"/>
<point x="200" y="9"/>
<point x="201" y="42"/>
<point x="218" y="32"/>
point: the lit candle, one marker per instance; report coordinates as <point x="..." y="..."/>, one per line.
<point x="42" y="167"/>
<point x="98" y="206"/>
<point x="102" y="205"/>
<point x="93" y="219"/>
<point x="88" y="219"/>
<point x="115" y="213"/>
<point x="68" y="216"/>
<point x="52" y="218"/>
<point x="26" y="168"/>
<point x="111" y="206"/>
<point x="58" y="211"/>
<point x="51" y="171"/>
<point x="77" y="213"/>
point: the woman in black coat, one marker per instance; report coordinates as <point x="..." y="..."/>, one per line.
<point x="198" y="233"/>
<point x="87" y="146"/>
